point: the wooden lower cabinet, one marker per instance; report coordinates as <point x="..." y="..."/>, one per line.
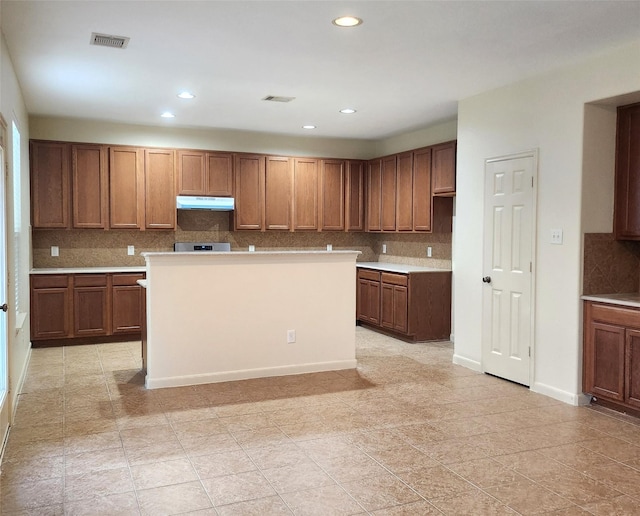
<point x="51" y="307"/>
<point x="90" y="305"/>
<point x="414" y="306"/>
<point x="126" y="302"/>
<point x="611" y="361"/>
<point x="83" y="306"/>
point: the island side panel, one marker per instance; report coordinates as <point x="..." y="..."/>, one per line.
<point x="225" y="317"/>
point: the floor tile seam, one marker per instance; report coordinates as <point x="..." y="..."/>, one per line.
<point x="604" y="455"/>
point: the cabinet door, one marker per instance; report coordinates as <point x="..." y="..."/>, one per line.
<point x="400" y="308"/>
<point x="126" y="188"/>
<point x="126" y="299"/>
<point x="373" y="307"/>
<point x="386" y="305"/>
<point x="90" y="186"/>
<point x="249" y="196"/>
<point x="50" y="307"/>
<point x="332" y="181"/>
<point x="90" y="305"/>
<point x="388" y="205"/>
<point x="278" y="192"/>
<point x="404" y="192"/>
<point x="219" y="174"/>
<point x="632" y="370"/>
<point x="305" y="194"/>
<point x="422" y="190"/>
<point x="191" y="172"/>
<point x="50" y="184"/>
<point x="374" y="195"/>
<point x="627" y="183"/>
<point x="606" y="377"/>
<point x="354" y="198"/>
<point x="443" y="168"/>
<point x="160" y="194"/>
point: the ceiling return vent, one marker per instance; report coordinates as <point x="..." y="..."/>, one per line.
<point x="106" y="40"/>
<point x="275" y="98"/>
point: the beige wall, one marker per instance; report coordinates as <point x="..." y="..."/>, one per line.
<point x="545" y="113"/>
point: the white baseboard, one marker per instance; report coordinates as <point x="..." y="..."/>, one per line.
<point x="557" y="394"/>
<point x="18" y="389"/>
<point x="247" y="374"/>
<point x="467" y="362"/>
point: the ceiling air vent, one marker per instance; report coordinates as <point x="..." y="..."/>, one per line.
<point x="106" y="40"/>
<point x="275" y="98"/>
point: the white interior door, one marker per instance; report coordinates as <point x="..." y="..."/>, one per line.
<point x="508" y="264"/>
<point x="4" y="369"/>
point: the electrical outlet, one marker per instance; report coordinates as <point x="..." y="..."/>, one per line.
<point x="252" y="248"/>
<point x="384" y="248"/>
<point x="556" y="236"/>
<point x="131" y="250"/>
<point x="55" y="250"/>
<point x="428" y="251"/>
<point x="291" y="336"/>
<point x="329" y="247"/>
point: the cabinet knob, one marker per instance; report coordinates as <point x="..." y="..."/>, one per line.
<point x="486" y="279"/>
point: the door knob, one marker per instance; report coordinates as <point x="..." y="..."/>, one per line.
<point x="4" y="307"/>
<point x="486" y="279"/>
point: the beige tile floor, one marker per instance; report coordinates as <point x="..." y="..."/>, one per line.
<point x="407" y="433"/>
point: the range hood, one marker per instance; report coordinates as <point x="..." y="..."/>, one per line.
<point x="188" y="202"/>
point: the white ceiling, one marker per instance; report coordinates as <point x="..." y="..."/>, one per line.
<point x="403" y="69"/>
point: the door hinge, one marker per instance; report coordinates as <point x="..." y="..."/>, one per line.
<point x="531" y="181"/>
<point x="530" y="266"/>
<point x="529" y="351"/>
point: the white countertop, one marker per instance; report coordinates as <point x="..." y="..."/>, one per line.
<point x="248" y="253"/>
<point x="397" y="267"/>
<point x="631" y="299"/>
<point x="87" y="270"/>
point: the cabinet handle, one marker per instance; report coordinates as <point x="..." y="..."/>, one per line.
<point x="486" y="279"/>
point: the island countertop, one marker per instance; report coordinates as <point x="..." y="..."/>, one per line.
<point x="398" y="267"/>
<point x="631" y="299"/>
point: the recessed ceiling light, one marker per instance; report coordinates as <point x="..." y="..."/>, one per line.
<point x="186" y="95"/>
<point x="167" y="114"/>
<point x="347" y="21"/>
<point x="308" y="126"/>
<point x="347" y="111"/>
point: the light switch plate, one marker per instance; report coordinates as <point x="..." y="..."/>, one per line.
<point x="55" y="250"/>
<point x="384" y="248"/>
<point x="556" y="236"/>
<point x="131" y="250"/>
<point x="252" y="248"/>
<point x="329" y="247"/>
<point x="429" y="251"/>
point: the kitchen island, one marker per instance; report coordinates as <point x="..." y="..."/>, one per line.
<point x="214" y="317"/>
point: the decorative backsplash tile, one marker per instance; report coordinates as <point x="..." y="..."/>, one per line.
<point x="610" y="266"/>
<point x="97" y="248"/>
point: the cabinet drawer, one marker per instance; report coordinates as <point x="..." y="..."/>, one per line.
<point x="90" y="280"/>
<point x="127" y="279"/>
<point x="394" y="279"/>
<point x="49" y="281"/>
<point x="615" y="315"/>
<point x="368" y="274"/>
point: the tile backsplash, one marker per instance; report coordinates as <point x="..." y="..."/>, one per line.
<point x="98" y="248"/>
<point x="610" y="266"/>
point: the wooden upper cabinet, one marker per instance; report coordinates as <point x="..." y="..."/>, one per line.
<point x="627" y="182"/>
<point x="50" y="185"/>
<point x="90" y="183"/>
<point x="374" y="195"/>
<point x="160" y="195"/>
<point x="191" y="172"/>
<point x="354" y="196"/>
<point x="278" y="189"/>
<point x="305" y="194"/>
<point x="389" y="186"/>
<point x="404" y="192"/>
<point x="219" y="174"/>
<point x="249" y="172"/>
<point x="422" y="190"/>
<point x="443" y="168"/>
<point x="126" y="188"/>
<point x="332" y="194"/>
